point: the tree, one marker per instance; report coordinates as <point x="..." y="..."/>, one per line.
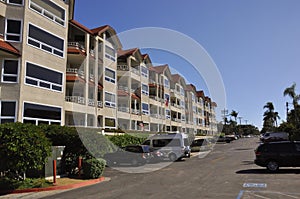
<point x="270" y="117"/>
<point x="234" y="114"/>
<point x="290" y="91"/>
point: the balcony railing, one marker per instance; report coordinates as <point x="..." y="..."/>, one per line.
<point x="91" y="102"/>
<point x="135" y="71"/>
<point x="100" y="104"/>
<point x="123" y="67"/>
<point x="123" y="88"/>
<point x="76" y="45"/>
<point x="123" y="109"/>
<point x="75" y="99"/>
<point x="75" y="71"/>
<point x="135" y="111"/>
<point x="154" y="115"/>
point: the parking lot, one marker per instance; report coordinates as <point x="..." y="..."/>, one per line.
<point x="227" y="171"/>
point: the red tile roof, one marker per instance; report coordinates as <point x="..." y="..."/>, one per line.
<point x="127" y="52"/>
<point x="122" y="93"/>
<point x="175" y="77"/>
<point x="6" y="46"/>
<point x="190" y="87"/>
<point x="79" y="25"/>
<point x="160" y="69"/>
<point x="200" y="94"/>
<point x="134" y="96"/>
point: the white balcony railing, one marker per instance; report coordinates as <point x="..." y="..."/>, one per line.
<point x="135" y="71"/>
<point x="75" y="99"/>
<point x="91" y="102"/>
<point x="100" y="104"/>
<point x="76" y="45"/>
<point x="76" y="71"/>
<point x="123" y="109"/>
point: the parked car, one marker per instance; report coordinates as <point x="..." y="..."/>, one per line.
<point x="201" y="144"/>
<point x="156" y="155"/>
<point x="274" y="136"/>
<point x="224" y="139"/>
<point x="133" y="154"/>
<point x="174" y="146"/>
<point x="273" y="155"/>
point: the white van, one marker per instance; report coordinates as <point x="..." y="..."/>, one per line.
<point x="275" y="136"/>
<point x="174" y="146"/>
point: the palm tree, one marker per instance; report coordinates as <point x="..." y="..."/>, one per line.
<point x="290" y="91"/>
<point x="234" y="114"/>
<point x="270" y="117"/>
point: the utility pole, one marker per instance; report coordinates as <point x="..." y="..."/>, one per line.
<point x="240" y="118"/>
<point x="225" y="113"/>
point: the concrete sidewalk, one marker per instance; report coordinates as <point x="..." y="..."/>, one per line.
<point x="35" y="193"/>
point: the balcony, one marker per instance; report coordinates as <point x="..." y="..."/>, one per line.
<point x="100" y="104"/>
<point x="123" y="109"/>
<point x="76" y="71"/>
<point x="91" y="102"/>
<point x="135" y="111"/>
<point x="75" y="99"/>
<point x="135" y="71"/>
<point x="123" y="67"/>
<point x="154" y="115"/>
<point x="123" y="88"/>
<point x="76" y="45"/>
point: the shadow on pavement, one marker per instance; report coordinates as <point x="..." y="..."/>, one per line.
<point x="265" y="171"/>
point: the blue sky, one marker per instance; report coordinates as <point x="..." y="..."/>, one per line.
<point x="254" y="43"/>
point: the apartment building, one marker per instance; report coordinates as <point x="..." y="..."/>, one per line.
<point x="57" y="71"/>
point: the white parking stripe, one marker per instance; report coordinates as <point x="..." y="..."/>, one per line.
<point x="259" y="196"/>
<point x="287" y="195"/>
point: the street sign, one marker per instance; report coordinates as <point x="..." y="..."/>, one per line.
<point x="255" y="185"/>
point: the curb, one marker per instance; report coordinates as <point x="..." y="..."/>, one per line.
<point x="55" y="187"/>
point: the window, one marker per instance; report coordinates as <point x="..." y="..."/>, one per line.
<point x="168" y="114"/>
<point x="145" y="89"/>
<point x="45" y="41"/>
<point x="10" y="71"/>
<point x="183" y="117"/>
<point x="194" y="109"/>
<point x="181" y="92"/>
<point x="13" y="30"/>
<point x="110" y="75"/>
<point x="49" y="9"/>
<point x="145" y="108"/>
<point x="110" y="100"/>
<point x="182" y="103"/>
<point x="41" y="114"/>
<point x="193" y="97"/>
<point x="110" y="123"/>
<point x="43" y="77"/>
<point x="110" y="53"/>
<point x="167" y="83"/>
<point x="15" y="2"/>
<point x="166" y="142"/>
<point x="144" y="71"/>
<point x="7" y="111"/>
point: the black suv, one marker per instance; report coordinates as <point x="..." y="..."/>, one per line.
<point x="278" y="154"/>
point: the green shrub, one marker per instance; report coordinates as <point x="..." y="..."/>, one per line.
<point x="93" y="168"/>
<point x="22" y="147"/>
<point x="124" y="140"/>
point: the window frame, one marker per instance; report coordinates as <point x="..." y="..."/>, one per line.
<point x="50" y="121"/>
<point x="109" y="79"/>
<point x="8" y="117"/>
<point x="39" y="81"/>
<point x="109" y="56"/>
<point x="13" y="34"/>
<point x="42" y="13"/>
<point x="144" y="91"/>
<point x="145" y="111"/>
<point x="109" y="104"/>
<point x="10" y="75"/>
<point x="42" y="42"/>
<point x="15" y="4"/>
<point x="168" y="116"/>
<point x="112" y="118"/>
<point x="143" y="73"/>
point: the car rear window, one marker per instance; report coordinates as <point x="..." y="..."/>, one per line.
<point x="280" y="147"/>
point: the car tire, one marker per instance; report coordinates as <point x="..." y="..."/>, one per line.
<point x="172" y="157"/>
<point x="272" y="166"/>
